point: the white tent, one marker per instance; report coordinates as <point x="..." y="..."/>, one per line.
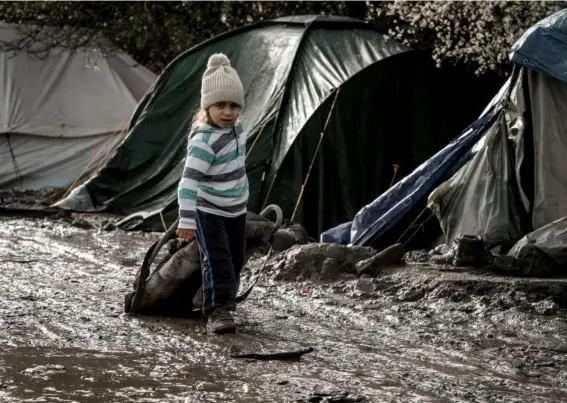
<point x="59" y="112"/>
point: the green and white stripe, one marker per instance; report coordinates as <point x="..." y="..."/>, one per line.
<point x="214" y="179"/>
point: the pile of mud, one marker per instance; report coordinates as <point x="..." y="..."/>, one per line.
<point x="336" y="269"/>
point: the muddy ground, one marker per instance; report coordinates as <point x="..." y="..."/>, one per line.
<point x="412" y="334"/>
<point x="27" y="198"/>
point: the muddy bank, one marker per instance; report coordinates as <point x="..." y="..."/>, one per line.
<point x="22" y="198"/>
<point x="412" y="334"/>
<point x="336" y="269"/>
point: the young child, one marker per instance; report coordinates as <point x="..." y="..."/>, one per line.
<point x="213" y="191"/>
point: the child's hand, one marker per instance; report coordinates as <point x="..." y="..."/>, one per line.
<point x="186" y="234"/>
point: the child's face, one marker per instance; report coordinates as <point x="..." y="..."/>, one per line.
<point x="224" y="114"/>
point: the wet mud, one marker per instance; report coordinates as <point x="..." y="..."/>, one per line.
<point x="27" y="198"/>
<point x="408" y="334"/>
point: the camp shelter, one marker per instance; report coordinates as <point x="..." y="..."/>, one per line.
<point x="372" y="102"/>
<point x="60" y="109"/>
<point x="502" y="178"/>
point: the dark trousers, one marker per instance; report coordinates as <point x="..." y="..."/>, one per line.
<point x="223" y="247"/>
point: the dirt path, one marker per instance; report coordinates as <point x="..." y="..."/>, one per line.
<point x="413" y="335"/>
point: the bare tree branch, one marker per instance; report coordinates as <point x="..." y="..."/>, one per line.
<point x="154" y="33"/>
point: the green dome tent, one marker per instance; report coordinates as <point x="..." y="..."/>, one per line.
<point x="329" y="93"/>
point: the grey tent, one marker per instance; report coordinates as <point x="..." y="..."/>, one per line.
<point x="58" y="113"/>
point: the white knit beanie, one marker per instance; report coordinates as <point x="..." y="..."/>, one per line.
<point x="221" y="83"/>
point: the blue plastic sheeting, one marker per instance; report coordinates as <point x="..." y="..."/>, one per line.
<point x="339" y="234"/>
<point x="377" y="218"/>
<point x="543" y="47"/>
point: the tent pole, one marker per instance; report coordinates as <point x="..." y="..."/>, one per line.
<point x="255" y="140"/>
<point x="315" y="155"/>
<point x="395" y="167"/>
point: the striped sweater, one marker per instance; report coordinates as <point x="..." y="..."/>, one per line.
<point x="214" y="179"/>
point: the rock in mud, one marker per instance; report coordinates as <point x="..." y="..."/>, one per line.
<point x="470" y="251"/>
<point x="290" y="234"/>
<point x="412" y="295"/>
<point x="335" y="398"/>
<point x="81" y="223"/>
<point x="318" y="262"/>
<point x="365" y="285"/>
<point x="546" y="307"/>
<point x="389" y="256"/>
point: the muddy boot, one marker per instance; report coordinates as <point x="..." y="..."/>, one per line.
<point x="220" y="321"/>
<point x="198" y="299"/>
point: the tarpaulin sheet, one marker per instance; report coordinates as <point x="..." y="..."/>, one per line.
<point x="481" y="198"/>
<point x="543" y="47"/>
<point x="383" y="214"/>
<point x="548" y="100"/>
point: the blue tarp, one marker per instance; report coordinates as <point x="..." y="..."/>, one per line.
<point x="339" y="234"/>
<point x="382" y="215"/>
<point x="543" y="47"/>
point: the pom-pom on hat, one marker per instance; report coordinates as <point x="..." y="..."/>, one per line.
<point x="221" y="83"/>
